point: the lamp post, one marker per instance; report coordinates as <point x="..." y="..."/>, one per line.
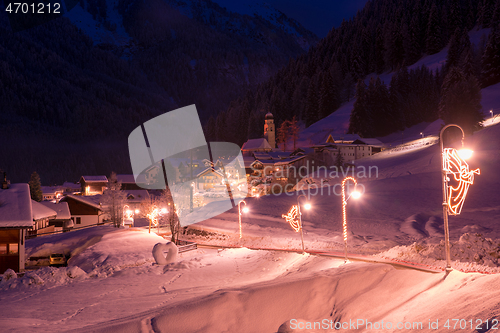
<point x="240" y="211"/>
<point x="491" y="112"/>
<point x="306" y="206"/>
<point x="422" y="134"/>
<point x="355" y="194"/>
<point x="453" y="162"/>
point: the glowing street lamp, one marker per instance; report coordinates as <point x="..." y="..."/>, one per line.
<point x="491" y="112"/>
<point x="356" y="195"/>
<point x="422" y="134"/>
<point x="453" y="163"/>
<point x="240" y="211"/>
<point x="294" y="217"/>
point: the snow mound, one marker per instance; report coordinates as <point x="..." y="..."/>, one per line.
<point x="472" y="252"/>
<point x="117" y="250"/>
<point x="422" y="226"/>
<point x="47" y="277"/>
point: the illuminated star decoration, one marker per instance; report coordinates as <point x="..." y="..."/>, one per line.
<point x="455" y="165"/>
<point x="293" y="218"/>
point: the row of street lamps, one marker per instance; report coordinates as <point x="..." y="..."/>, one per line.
<point x="453" y="164"/>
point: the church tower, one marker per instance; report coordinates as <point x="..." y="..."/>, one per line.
<point x="269" y="130"/>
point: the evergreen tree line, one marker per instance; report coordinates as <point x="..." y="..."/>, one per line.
<point x="386" y="35"/>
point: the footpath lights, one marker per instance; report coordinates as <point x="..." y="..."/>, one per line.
<point x="453" y="163"/>
<point x="355" y="194"/>
<point x="240" y="211"/>
<point x="294" y="217"/>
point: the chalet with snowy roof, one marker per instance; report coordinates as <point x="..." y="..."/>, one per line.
<point x="41" y="217"/>
<point x="71" y="188"/>
<point x="208" y="179"/>
<point x="134" y="198"/>
<point x="350" y="147"/>
<point x="16" y="217"/>
<point x="92" y="185"/>
<point x="346" y="138"/>
<point x="85" y="210"/>
<point x="62" y="221"/>
<point x="52" y="192"/>
<point x="255" y="145"/>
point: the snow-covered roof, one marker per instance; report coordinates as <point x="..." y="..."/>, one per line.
<point x="15" y="206"/>
<point x="345" y="138"/>
<point x="91" y="200"/>
<point x="209" y="170"/>
<point x="262" y="156"/>
<point x="290" y="160"/>
<point x="95" y="179"/>
<point x="51" y="189"/>
<point x="369" y="141"/>
<point x="248" y="160"/>
<point x="71" y="185"/>
<point x="41" y="211"/>
<point x="61" y="208"/>
<point x="254" y="144"/>
<point x="137" y="195"/>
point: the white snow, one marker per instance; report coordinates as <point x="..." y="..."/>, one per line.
<point x="112" y="283"/>
<point x="15" y="206"/>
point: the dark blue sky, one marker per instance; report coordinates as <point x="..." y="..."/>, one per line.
<point x="319" y="16"/>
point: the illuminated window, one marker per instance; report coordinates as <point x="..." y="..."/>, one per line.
<point x="13" y="248"/>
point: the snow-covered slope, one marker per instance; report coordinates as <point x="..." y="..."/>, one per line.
<point x="337" y="123"/>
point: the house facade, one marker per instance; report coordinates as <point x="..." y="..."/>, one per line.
<point x="92" y="185"/>
<point x="84" y="211"/>
<point x="16" y="218"/>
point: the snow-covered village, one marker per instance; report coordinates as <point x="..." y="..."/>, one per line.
<point x="249" y="166"/>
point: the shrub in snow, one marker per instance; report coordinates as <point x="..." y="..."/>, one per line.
<point x="74" y="272"/>
<point x="8" y="275"/>
<point x="32" y="278"/>
<point x="160" y="258"/>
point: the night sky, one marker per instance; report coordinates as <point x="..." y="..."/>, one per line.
<point x="319" y="16"/>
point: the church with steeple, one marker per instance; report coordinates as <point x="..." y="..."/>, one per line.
<point x="269" y="130"/>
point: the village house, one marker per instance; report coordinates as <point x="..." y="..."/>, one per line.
<point x="16" y="218"/>
<point x="41" y="217"/>
<point x="92" y="185"/>
<point x="62" y="221"/>
<point x="85" y="210"/>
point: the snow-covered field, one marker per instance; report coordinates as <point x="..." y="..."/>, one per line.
<point x="112" y="284"/>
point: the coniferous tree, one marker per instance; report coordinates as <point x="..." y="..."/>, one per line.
<point x="312" y="105"/>
<point x="294" y="131"/>
<point x="461" y="100"/>
<point x="210" y="132"/>
<point x="283" y="133"/>
<point x="490" y="62"/>
<point x="360" y="121"/>
<point x="434" y="41"/>
<point x="328" y="101"/>
<point x="35" y="187"/>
